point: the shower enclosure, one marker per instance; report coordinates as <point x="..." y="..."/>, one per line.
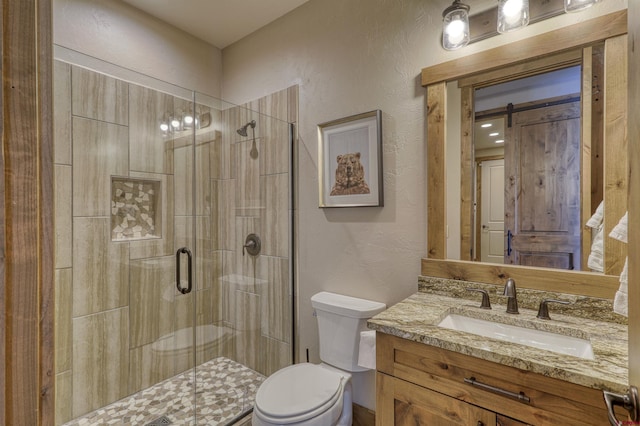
<point x="173" y="210"/>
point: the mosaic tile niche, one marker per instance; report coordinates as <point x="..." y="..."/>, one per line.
<point x="135" y="209"/>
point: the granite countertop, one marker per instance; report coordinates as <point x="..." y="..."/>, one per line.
<point x="416" y="318"/>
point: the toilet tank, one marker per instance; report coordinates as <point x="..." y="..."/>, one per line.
<point x="340" y="321"/>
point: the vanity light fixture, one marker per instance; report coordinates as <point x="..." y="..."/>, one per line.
<point x="578" y="5"/>
<point x="455" y="26"/>
<point x="512" y="15"/>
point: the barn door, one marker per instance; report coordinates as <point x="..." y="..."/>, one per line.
<point x="542" y="188"/>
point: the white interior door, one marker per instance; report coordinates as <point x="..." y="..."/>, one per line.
<point x="492" y="211"/>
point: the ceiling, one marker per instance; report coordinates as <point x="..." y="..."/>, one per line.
<point x="218" y="22"/>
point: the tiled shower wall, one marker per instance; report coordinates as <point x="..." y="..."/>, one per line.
<point x="116" y="302"/>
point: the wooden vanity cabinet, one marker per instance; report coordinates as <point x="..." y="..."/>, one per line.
<point x="418" y="384"/>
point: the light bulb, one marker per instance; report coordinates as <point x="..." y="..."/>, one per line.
<point x="455" y="26"/>
<point x="188" y="119"/>
<point x="164" y="127"/>
<point x="578" y="5"/>
<point x="455" y="31"/>
<point x="512" y="15"/>
<point x="175" y="123"/>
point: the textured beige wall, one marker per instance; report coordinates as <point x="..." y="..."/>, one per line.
<point x="350" y="57"/>
<point x="118" y="33"/>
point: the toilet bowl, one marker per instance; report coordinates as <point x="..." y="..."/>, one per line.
<point x="320" y="394"/>
<point x="312" y="395"/>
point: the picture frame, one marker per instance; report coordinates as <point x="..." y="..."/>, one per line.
<point x="350" y="161"/>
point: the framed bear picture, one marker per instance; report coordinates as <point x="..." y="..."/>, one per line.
<point x="350" y="161"/>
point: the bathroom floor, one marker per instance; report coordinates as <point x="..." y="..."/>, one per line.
<point x="230" y="391"/>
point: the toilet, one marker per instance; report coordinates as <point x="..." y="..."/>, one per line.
<point x="322" y="394"/>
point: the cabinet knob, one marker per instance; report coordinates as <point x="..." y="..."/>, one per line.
<point x="480" y="423"/>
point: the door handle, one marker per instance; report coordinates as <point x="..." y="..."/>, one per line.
<point x="509" y="238"/>
<point x="628" y="401"/>
<point x="181" y="289"/>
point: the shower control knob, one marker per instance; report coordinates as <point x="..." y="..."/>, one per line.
<point x="252" y="245"/>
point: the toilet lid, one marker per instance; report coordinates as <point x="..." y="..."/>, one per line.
<point x="299" y="392"/>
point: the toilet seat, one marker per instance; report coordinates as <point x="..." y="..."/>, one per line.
<point x="298" y="393"/>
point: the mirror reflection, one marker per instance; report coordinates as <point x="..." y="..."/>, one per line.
<point x="536" y="166"/>
<point x="528" y="130"/>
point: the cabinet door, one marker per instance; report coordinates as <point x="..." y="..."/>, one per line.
<point x="402" y="403"/>
<point x="508" y="421"/>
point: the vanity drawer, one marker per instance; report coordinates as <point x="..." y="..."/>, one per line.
<point x="551" y="401"/>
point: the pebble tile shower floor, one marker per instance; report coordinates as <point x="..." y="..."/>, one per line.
<point x="225" y="390"/>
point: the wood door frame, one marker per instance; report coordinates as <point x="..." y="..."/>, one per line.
<point x="27" y="278"/>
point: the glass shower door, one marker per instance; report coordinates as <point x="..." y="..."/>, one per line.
<point x="243" y="222"/>
<point x="124" y="331"/>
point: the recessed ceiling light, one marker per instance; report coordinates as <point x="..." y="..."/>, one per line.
<point x="499" y="140"/>
<point x="494" y="134"/>
<point x="485" y="125"/>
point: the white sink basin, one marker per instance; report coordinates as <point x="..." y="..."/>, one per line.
<point x="510" y="333"/>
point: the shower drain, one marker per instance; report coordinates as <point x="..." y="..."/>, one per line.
<point x="164" y="420"/>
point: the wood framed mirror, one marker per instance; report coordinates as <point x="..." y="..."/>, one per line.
<point x="576" y="44"/>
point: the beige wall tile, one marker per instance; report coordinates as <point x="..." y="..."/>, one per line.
<point x="247" y="329"/>
<point x="223" y="230"/>
<point x="150" y="151"/>
<point x="151" y="307"/>
<point x="183" y="171"/>
<point x="246" y="264"/>
<point x="100" y="359"/>
<point x="275" y="217"/>
<point x="162" y="246"/>
<point x="101" y="268"/>
<point x="62" y="113"/>
<point x="63" y="310"/>
<point x="99" y="151"/>
<point x="292" y="104"/>
<point x="275" y="105"/>
<point x="275" y="355"/>
<point x="275" y="147"/>
<point x="247" y="177"/>
<point x="63" y="223"/>
<point x="99" y="96"/>
<point x="275" y="298"/>
<point x="150" y="366"/>
<point x="63" y="404"/>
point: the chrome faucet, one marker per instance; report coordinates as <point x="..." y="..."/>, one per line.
<point x="510" y="292"/>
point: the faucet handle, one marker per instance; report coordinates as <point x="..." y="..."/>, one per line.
<point x="543" y="310"/>
<point x="486" y="303"/>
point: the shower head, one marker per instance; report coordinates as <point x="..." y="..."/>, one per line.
<point x="242" y="131"/>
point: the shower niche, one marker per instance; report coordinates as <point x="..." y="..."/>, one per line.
<point x="136" y="212"/>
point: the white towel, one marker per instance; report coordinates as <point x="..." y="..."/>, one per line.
<point x="595" y="260"/>
<point x="621" y="302"/>
<point x="596" y="220"/>
<point x="619" y="232"/>
<point x="367" y="351"/>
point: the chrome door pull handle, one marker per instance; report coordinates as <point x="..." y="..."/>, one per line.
<point x="181" y="289"/>
<point x="629" y="402"/>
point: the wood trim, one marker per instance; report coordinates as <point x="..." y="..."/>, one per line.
<point x="585" y="154"/>
<point x="634" y="192"/>
<point x="615" y="142"/>
<point x="570" y="282"/>
<point x="572" y="36"/>
<point x="522" y="70"/>
<point x="466" y="173"/>
<point x="436" y="108"/>
<point x="27" y="274"/>
<point x="46" y="284"/>
<point x="3" y="309"/>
